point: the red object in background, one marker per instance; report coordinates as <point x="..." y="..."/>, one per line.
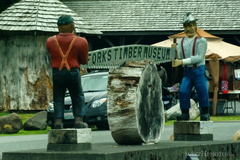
<point x="225" y="91"/>
<point x="224" y="84"/>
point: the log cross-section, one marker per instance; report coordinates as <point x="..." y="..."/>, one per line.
<point x="135" y="107"/>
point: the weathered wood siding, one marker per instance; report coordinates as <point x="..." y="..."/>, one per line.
<point x="25" y="78"/>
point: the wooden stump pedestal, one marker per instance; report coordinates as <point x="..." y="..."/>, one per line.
<point x="135" y="108"/>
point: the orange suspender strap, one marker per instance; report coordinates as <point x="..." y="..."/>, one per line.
<point x="182" y="47"/>
<point x="193" y="49"/>
<point x="64" y="57"/>
<point x="183" y="51"/>
<point x="194" y="46"/>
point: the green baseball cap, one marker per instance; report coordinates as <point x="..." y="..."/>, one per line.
<point x="65" y="20"/>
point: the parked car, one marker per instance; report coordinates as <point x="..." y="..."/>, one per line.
<point x="95" y="92"/>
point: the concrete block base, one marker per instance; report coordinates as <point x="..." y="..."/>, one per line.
<point x="193" y="137"/>
<point x="193" y="127"/>
<point x="69" y="147"/>
<point x="193" y="131"/>
<point x="69" y="139"/>
<point x="166" y="150"/>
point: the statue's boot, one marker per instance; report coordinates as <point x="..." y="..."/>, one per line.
<point x="184" y="116"/>
<point x="58" y="123"/>
<point x="79" y="123"/>
<point x="204" y="114"/>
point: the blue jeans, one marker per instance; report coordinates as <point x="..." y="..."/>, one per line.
<point x="70" y="80"/>
<point x="194" y="77"/>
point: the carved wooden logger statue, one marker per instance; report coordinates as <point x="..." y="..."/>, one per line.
<point x="135" y="108"/>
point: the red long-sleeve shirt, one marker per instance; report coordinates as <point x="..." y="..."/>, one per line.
<point x="78" y="54"/>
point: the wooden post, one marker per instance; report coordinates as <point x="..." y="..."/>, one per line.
<point x="135" y="108"/>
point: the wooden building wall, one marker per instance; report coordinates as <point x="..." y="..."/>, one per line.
<point x="25" y="77"/>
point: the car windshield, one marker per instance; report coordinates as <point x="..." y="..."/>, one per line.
<point x="94" y="83"/>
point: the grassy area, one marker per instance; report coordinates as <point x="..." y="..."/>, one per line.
<point x="214" y="119"/>
<point x="23" y="116"/>
<point x="23" y="132"/>
<point x="26" y="116"/>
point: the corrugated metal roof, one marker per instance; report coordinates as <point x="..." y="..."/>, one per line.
<point x="157" y="15"/>
<point x="40" y="15"/>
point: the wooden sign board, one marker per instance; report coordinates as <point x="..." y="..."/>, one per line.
<point x="116" y="56"/>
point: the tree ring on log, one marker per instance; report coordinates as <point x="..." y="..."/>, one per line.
<point x="149" y="108"/>
<point x="135" y="108"/>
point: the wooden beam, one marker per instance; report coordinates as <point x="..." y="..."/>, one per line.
<point x="108" y="41"/>
<point x="139" y="39"/>
<point x="237" y="39"/>
<point x="122" y="40"/>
